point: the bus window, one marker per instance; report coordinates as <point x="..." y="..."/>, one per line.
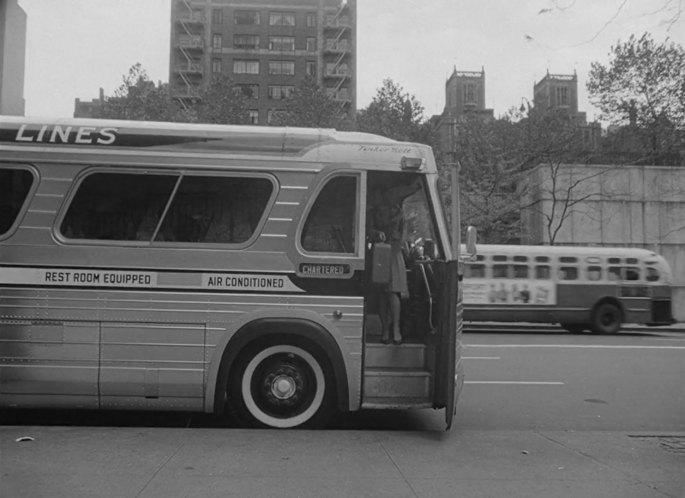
<point x="330" y="225"/>
<point x="652" y="274"/>
<point x="474" y="271"/>
<point x="521" y="259"/>
<point x="594" y="273"/>
<point x="216" y="209"/>
<point x="15" y="184"/>
<point x="542" y="272"/>
<point x="520" y="271"/>
<point x="631" y="261"/>
<point x="568" y="273"/>
<point x="499" y="257"/>
<point x="614" y="272"/>
<point x="632" y="273"/>
<point x="614" y="261"/>
<point x="542" y="259"/>
<point x="500" y="271"/>
<point x="118" y="206"/>
<point x="568" y="259"/>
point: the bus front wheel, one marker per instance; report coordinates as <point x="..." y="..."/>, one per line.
<point x="606" y="319"/>
<point x="282" y="386"/>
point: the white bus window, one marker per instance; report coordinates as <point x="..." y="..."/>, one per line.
<point x="520" y="271"/>
<point x="217" y="209"/>
<point x="15" y="184"/>
<point x="594" y="273"/>
<point x="652" y="274"/>
<point x="117" y="206"/>
<point x="568" y="273"/>
<point x="542" y="272"/>
<point x="632" y="273"/>
<point x="500" y="271"/>
<point x="474" y="271"/>
<point x="614" y="272"/>
<point x="330" y="225"/>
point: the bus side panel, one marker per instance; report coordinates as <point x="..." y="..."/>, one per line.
<point x="142" y="363"/>
<point x="42" y="363"/>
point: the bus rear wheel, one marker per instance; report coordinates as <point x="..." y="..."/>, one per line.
<point x="281" y="386"/>
<point x="606" y="319"/>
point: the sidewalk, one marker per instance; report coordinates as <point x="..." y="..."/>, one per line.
<point x="161" y="462"/>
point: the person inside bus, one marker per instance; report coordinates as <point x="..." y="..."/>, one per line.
<point x="387" y="225"/>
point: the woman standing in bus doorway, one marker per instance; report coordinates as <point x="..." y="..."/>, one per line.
<point x="387" y="220"/>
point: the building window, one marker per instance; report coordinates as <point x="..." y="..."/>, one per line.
<point x="286" y="68"/>
<point x="217" y="42"/>
<point x="249" y="91"/>
<point x="311" y="44"/>
<point x="253" y="116"/>
<point x="333" y="69"/>
<point x="562" y="95"/>
<point x="311" y="19"/>
<point x="281" y="19"/>
<point x="470" y="93"/>
<point x="246" y="17"/>
<point x="310" y="68"/>
<point x="282" y="43"/>
<point x="245" y="67"/>
<point x="246" y="42"/>
<point x="216" y="65"/>
<point x="279" y="92"/>
<point x="217" y="17"/>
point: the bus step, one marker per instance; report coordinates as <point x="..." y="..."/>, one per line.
<point x="396" y="384"/>
<point x="390" y="356"/>
<point x="382" y="403"/>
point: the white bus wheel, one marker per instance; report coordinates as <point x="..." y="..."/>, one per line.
<point x="281" y="386"/>
<point x="606" y="319"/>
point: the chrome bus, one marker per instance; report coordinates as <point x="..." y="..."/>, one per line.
<point x="581" y="288"/>
<point x="218" y="269"/>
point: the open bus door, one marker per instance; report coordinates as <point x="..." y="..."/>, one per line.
<point x="449" y="360"/>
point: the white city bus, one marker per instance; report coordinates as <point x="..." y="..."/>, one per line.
<point x="595" y="288"/>
<point x="220" y="269"/>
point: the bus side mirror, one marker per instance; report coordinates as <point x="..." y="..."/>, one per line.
<point x="471" y="236"/>
<point x="381" y="261"/>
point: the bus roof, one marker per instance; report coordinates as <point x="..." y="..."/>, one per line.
<point x="566" y="250"/>
<point x="101" y="133"/>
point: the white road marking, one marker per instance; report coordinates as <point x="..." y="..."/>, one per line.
<point x="570" y="346"/>
<point x="516" y="382"/>
<point x="481" y="358"/>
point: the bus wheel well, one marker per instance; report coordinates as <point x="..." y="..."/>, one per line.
<point x="297" y="332"/>
<point x="606" y="316"/>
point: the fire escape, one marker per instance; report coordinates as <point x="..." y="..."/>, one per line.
<point x="337" y="54"/>
<point x="188" y="66"/>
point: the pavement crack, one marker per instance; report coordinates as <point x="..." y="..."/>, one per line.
<point x="154" y="474"/>
<point x="404" y="478"/>
<point x="599" y="462"/>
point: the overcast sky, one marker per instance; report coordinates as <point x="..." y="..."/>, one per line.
<point x="74" y="47"/>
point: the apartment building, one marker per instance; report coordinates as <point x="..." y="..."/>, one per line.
<point x="12" y="57"/>
<point x="266" y="47"/>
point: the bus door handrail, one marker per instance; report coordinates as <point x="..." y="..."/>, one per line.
<point x="430" y="298"/>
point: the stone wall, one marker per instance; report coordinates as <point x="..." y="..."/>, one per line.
<point x="636" y="206"/>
